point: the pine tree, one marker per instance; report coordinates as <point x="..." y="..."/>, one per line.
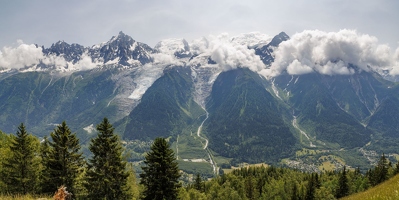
<point x="295" y="195"/>
<point x="396" y="170"/>
<point x="198" y="182"/>
<point x="161" y="173"/>
<point x="250" y="190"/>
<point x="63" y="161"/>
<point x="45" y="176"/>
<point x="343" y="186"/>
<point x="380" y="172"/>
<point x="310" y="188"/>
<point x="20" y="168"/>
<point x="106" y="177"/>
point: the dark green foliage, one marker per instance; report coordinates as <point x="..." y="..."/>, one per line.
<point x="250" y="188"/>
<point x="312" y="185"/>
<point x="245" y="122"/>
<point x="279" y="183"/>
<point x="62" y="159"/>
<point x="343" y="187"/>
<point x="160" y="173"/>
<point x="294" y="194"/>
<point x="380" y="173"/>
<point x="106" y="177"/>
<point x="20" y="168"/>
<point x="396" y="170"/>
<point x="166" y="107"/>
<point x="198" y="182"/>
<point x="46" y="185"/>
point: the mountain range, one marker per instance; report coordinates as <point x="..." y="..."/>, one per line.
<point x="209" y="98"/>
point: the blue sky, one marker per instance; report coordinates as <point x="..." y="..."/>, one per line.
<point x="44" y="22"/>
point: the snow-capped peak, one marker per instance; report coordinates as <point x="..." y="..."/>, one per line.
<point x="251" y="39"/>
<point x="174" y="46"/>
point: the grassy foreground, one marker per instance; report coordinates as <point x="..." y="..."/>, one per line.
<point x="386" y="190"/>
<point x="24" y="197"/>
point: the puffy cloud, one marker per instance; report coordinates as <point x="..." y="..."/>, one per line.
<point x="199" y="46"/>
<point x="21" y="56"/>
<point x="330" y="53"/>
<point x="86" y="63"/>
<point x="395" y="68"/>
<point x="166" y="59"/>
<point x="25" y="55"/>
<point x="56" y="61"/>
<point x="228" y="54"/>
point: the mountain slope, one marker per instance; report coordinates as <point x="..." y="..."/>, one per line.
<point x="245" y="121"/>
<point x="159" y="92"/>
<point x="41" y="99"/>
<point x="166" y="108"/>
<point x="318" y="112"/>
<point x="386" y="118"/>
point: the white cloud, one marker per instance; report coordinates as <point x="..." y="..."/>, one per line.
<point x="57" y="61"/>
<point x="86" y="63"/>
<point x="330" y="53"/>
<point x="25" y="55"/>
<point x="21" y="56"/>
<point x="395" y="68"/>
<point x="166" y="59"/>
<point x="228" y="54"/>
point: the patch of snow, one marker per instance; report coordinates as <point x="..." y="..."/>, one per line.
<point x="89" y="129"/>
<point x="145" y="77"/>
<point x="112" y="62"/>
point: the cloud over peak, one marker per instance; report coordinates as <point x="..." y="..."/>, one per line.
<point x="331" y="53"/>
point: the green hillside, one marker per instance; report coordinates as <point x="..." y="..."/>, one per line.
<point x="166" y="109"/>
<point x="319" y="114"/>
<point x="245" y="121"/>
<point x="41" y="99"/>
<point x="386" y="190"/>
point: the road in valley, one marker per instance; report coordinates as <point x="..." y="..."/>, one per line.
<point x="211" y="160"/>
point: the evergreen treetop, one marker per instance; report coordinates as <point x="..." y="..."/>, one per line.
<point x="106" y="177"/>
<point x="343" y="186"/>
<point x="62" y="159"/>
<point x="161" y="173"/>
<point x="19" y="171"/>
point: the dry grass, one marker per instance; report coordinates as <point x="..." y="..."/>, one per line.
<point x="24" y="197"/>
<point x="387" y="190"/>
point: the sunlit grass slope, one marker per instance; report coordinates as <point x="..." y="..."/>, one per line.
<point x="386" y="190"/>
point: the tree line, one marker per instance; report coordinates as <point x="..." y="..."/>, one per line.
<point x="40" y="167"/>
<point x="285" y="183"/>
<point x="30" y="166"/>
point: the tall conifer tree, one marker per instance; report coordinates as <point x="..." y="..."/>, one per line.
<point x="62" y="159"/>
<point x="45" y="176"/>
<point x="343" y="186"/>
<point x="381" y="170"/>
<point x="20" y="168"/>
<point x="106" y="177"/>
<point x="161" y="173"/>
